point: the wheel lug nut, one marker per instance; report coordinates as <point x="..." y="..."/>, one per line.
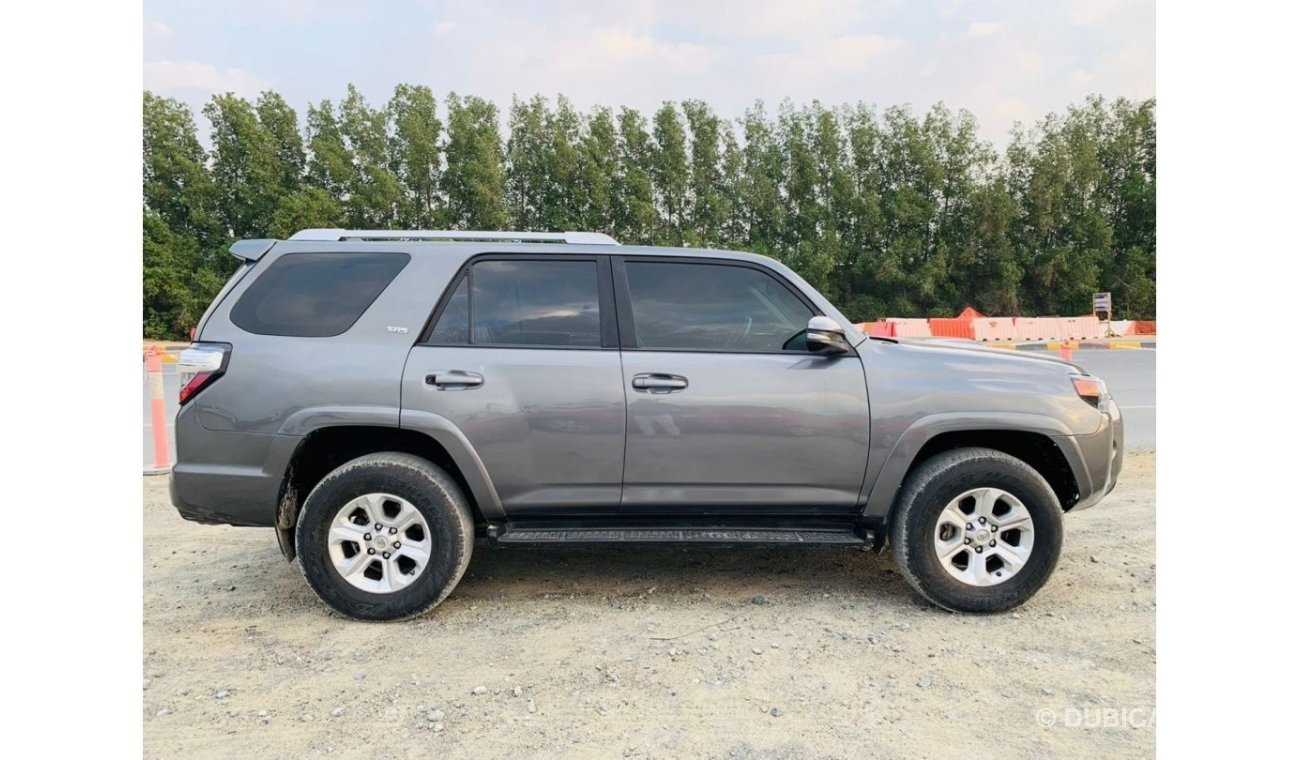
<point x="370" y="551"/>
<point x="969" y="526"/>
<point x="391" y="531"/>
<point x="968" y="540"/>
<point x="982" y="521"/>
<point x="367" y="536"/>
<point x="979" y="550"/>
<point x="378" y="526"/>
<point x="992" y="544"/>
<point x="385" y="555"/>
<point x="397" y="544"/>
<point x="994" y="529"/>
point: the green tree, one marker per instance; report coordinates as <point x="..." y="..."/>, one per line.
<point x="179" y="282"/>
<point x="633" y="206"/>
<point x="708" y="206"/>
<point x="306" y="209"/>
<point x="888" y="213"/>
<point x="281" y="123"/>
<point x="374" y="195"/>
<point x="670" y="173"/>
<point x="177" y="185"/>
<point x="598" y="172"/>
<point x="245" y="167"/>
<point x="331" y="165"/>
<point x="474" y="181"/>
<point x="760" y="206"/>
<point x="415" y="154"/>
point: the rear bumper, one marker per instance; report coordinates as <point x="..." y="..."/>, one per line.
<point x="1096" y="459"/>
<point x="226" y="477"/>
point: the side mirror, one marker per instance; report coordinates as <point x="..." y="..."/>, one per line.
<point x="825" y="336"/>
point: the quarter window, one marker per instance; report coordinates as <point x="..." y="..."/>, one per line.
<point x="315" y="295"/>
<point x="713" y="307"/>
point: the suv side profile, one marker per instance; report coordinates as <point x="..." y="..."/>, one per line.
<point x="384" y="398"/>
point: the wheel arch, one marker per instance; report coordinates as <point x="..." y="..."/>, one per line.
<point x="325" y="448"/>
<point x="1039" y="441"/>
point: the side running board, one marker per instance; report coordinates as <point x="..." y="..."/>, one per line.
<point x="533" y="534"/>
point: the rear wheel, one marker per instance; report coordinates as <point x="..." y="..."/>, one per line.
<point x="976" y="530"/>
<point x="384" y="537"/>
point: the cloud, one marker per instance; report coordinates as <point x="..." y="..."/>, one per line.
<point x="847" y="52"/>
<point x="1096" y="13"/>
<point x="170" y="77"/>
<point x="620" y="46"/>
<point x="1003" y="63"/>
<point x="760" y="18"/>
<point x="158" y="31"/>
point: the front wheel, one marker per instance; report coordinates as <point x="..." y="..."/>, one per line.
<point x="976" y="530"/>
<point x="384" y="537"/>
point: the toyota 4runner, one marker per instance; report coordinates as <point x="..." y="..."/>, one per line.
<point x="384" y="398"/>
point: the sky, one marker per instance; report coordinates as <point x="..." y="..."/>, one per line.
<point x="1004" y="61"/>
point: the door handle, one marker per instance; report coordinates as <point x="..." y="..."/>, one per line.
<point x="453" y="379"/>
<point x="654" y="382"/>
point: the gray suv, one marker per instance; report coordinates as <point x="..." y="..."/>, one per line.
<point x="383" y="398"/>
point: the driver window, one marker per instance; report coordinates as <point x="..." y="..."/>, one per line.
<point x="713" y="307"/>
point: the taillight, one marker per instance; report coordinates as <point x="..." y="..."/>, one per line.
<point x="200" y="365"/>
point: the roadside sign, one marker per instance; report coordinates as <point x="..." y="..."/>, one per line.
<point x="1101" y="303"/>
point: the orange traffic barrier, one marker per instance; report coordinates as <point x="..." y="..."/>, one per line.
<point x="1067" y="350"/>
<point x="1037" y="328"/>
<point x="951" y="328"/>
<point x="157" y="413"/>
<point x="877" y="329"/>
<point x="1002" y="328"/>
<point x="1080" y="328"/>
<point x="1144" y="327"/>
<point x="909" y="328"/>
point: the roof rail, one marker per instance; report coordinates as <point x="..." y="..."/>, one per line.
<point x="575" y="238"/>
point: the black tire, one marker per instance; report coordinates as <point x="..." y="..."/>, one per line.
<point x="431" y="491"/>
<point x="929" y="489"/>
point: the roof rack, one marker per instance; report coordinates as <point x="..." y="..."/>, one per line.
<point x="574" y="238"/>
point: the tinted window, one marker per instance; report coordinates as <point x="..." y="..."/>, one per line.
<point x="315" y="295"/>
<point x="453" y="323"/>
<point x="713" y="307"/>
<point x="535" y="303"/>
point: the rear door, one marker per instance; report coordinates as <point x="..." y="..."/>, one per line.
<point x="522" y="357"/>
<point x="727" y="410"/>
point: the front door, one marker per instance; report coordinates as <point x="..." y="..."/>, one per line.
<point x="727" y="410"/>
<point x="523" y="360"/>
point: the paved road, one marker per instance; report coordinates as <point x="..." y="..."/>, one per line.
<point x="1131" y="377"/>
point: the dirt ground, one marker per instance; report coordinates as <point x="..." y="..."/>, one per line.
<point x="741" y="653"/>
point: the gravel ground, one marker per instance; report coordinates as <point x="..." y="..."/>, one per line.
<point x="743" y="653"/>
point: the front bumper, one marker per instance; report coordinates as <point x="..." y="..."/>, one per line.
<point x="1096" y="459"/>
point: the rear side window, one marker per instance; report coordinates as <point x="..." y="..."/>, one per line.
<point x="523" y="303"/>
<point x="315" y="295"/>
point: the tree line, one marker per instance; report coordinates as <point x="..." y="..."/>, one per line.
<point x="887" y="212"/>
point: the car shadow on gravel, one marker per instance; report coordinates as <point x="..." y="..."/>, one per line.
<point x="514" y="573"/>
<point x="258" y="581"/>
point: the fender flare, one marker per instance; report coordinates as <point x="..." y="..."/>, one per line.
<point x="889" y="480"/>
<point x="440" y="429"/>
<point x="462" y="452"/>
